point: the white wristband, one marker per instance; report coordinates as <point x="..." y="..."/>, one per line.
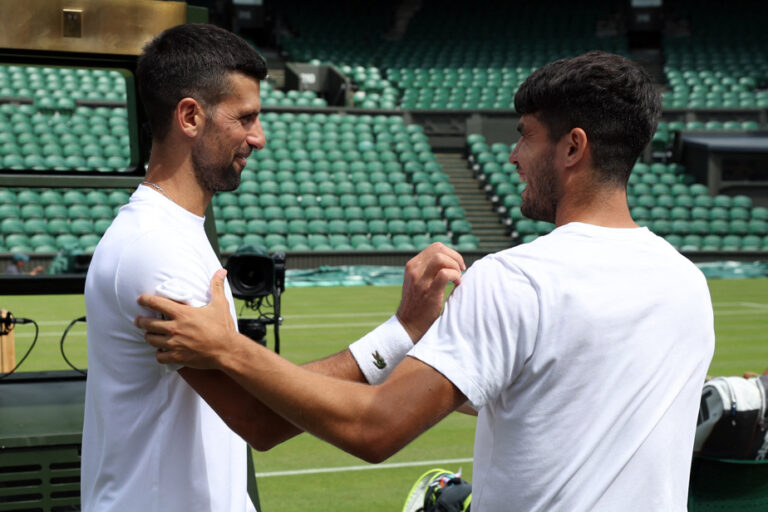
<point x="378" y="352"/>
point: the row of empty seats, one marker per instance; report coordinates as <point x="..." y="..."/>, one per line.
<point x="272" y="97"/>
<point x="83" y="139"/>
<point x="722" y="62"/>
<point x="51" y="220"/>
<point x="59" y="87"/>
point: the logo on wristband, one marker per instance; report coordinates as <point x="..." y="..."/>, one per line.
<point x="379" y="361"/>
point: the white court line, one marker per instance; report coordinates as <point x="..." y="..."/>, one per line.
<point x="342" y="315"/>
<point x="290" y="326"/>
<point x="735" y="313"/>
<point x="756" y="305"/>
<point x="341" y="469"/>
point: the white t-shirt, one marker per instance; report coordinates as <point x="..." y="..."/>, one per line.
<point x="150" y="443"/>
<point x="584" y="352"/>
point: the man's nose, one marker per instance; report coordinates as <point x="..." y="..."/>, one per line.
<point x="513" y="156"/>
<point x="255" y="138"/>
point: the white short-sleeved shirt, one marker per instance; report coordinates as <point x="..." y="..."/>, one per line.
<point x="584" y="352"/>
<point x="150" y="443"/>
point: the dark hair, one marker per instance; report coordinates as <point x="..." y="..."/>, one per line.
<point x="608" y="96"/>
<point x="192" y="60"/>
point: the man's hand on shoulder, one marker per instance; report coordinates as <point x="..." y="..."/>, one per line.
<point x="198" y="337"/>
<point x="426" y="276"/>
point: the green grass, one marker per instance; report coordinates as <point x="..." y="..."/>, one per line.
<point x="320" y="321"/>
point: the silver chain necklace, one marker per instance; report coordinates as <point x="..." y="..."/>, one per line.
<point x="157" y="187"/>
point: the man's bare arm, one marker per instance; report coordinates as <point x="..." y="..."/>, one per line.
<point x="370" y="422"/>
<point x="426" y="276"/>
<point x="248" y="416"/>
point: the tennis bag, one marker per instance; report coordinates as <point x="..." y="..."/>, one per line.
<point x="439" y="490"/>
<point x="733" y="419"/>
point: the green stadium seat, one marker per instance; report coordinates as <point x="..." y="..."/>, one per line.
<point x="11" y="225"/>
<point x="286" y="200"/>
<point x="277" y="226"/>
<point x="88" y="242"/>
<point x="731" y="243"/>
<point x="275" y="242"/>
<point x="298" y="226"/>
<point x="236" y="227"/>
<point x="293" y="212"/>
<point x="267" y="199"/>
<point x="722" y="201"/>
<point x="117" y="198"/>
<point x="661" y="213"/>
<point x="397" y="226"/>
<point x="437" y="227"/>
<point x="317" y="226"/>
<point x="257" y="226"/>
<point x="691" y="243"/>
<point x="751" y="243"/>
<point x="35" y="226"/>
<point x="739" y="227"/>
<point x="647" y="201"/>
<point x="231" y="212"/>
<point x="313" y="212"/>
<point x="377" y="227"/>
<point x="699" y="213"/>
<point x="382" y="243"/>
<point x="32" y="211"/>
<point x="704" y="201"/>
<point x="739" y="213"/>
<point x="711" y="243"/>
<point x="81" y="226"/>
<point x="416" y="227"/>
<point x="760" y="213"/>
<point x="245" y="199"/>
<point x="758" y="227"/>
<point x="100" y="226"/>
<point x="741" y="201"/>
<point x="699" y="227"/>
<point x="719" y="227"/>
<point x="18" y="240"/>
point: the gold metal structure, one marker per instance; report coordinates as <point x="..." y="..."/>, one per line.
<point x="119" y="27"/>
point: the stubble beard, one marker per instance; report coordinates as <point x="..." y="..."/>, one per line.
<point x="540" y="201"/>
<point x="212" y="175"/>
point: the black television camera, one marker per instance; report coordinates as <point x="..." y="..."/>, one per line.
<point x="258" y="278"/>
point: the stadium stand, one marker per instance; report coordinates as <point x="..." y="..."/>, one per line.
<point x="722" y="62"/>
<point x="449" y="57"/>
<point x="342" y="180"/>
<point x="41" y="221"/>
<point x="57" y="118"/>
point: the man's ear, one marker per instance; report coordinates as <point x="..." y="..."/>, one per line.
<point x="577" y="148"/>
<point x="190" y="117"/>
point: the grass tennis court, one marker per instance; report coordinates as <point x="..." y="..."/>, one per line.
<point x="306" y="474"/>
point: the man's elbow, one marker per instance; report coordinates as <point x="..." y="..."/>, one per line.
<point x="375" y="446"/>
<point x="266" y="437"/>
<point x="260" y="444"/>
<point x="373" y="454"/>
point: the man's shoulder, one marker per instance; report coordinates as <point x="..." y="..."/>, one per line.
<point x="132" y="233"/>
<point x="500" y="270"/>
